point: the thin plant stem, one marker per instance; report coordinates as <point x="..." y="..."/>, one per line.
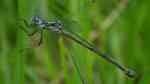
<point x="76" y="67"/>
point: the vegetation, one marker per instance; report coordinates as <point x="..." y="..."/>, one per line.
<point x="119" y="28"/>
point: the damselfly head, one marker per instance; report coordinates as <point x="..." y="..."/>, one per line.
<point x="38" y="21"/>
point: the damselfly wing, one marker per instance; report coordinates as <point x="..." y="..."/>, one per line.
<point x="33" y="30"/>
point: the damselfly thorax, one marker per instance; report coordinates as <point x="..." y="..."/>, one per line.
<point x="37" y="25"/>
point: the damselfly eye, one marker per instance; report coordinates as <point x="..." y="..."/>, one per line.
<point x="36" y="20"/>
<point x="39" y="22"/>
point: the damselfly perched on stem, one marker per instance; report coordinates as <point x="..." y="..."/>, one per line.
<point x="56" y="26"/>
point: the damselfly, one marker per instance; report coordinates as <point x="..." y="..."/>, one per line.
<point x="56" y="26"/>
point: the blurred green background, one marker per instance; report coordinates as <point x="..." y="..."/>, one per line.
<point x="118" y="27"/>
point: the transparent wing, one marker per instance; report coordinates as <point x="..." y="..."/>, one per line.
<point x="36" y="39"/>
<point x="35" y="35"/>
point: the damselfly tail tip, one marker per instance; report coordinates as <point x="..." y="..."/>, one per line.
<point x="131" y="73"/>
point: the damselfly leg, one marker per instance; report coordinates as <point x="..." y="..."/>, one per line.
<point x="41" y="38"/>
